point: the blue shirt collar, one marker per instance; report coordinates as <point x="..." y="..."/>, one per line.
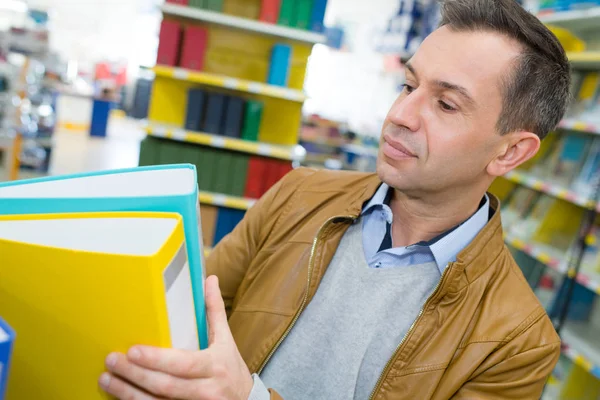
<point x="446" y="246"/>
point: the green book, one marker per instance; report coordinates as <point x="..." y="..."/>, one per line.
<point x="198" y="3"/>
<point x="169" y="152"/>
<point x="200" y="170"/>
<point x="301" y="17"/>
<point x="189" y="153"/>
<point x="239" y="174"/>
<point x="215" y="5"/>
<point x="286" y="12"/>
<point x="252" y="118"/>
<point x="148" y="151"/>
<point x="222" y="173"/>
<point x="209" y="168"/>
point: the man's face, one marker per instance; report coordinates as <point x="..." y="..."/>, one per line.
<point x="441" y="133"/>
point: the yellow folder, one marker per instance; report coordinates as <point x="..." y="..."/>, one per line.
<point x="76" y="287"/>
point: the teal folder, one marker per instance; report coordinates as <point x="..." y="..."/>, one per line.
<point x="165" y="188"/>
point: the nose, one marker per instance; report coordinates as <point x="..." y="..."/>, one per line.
<point x="406" y="111"/>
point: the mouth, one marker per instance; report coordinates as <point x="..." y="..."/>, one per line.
<point x="396" y="150"/>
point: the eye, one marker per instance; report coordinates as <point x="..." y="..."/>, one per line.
<point x="445" y="106"/>
<point x="409" y="89"/>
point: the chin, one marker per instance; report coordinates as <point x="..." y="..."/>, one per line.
<point x="391" y="175"/>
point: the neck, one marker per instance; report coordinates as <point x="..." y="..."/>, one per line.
<point x="423" y="218"/>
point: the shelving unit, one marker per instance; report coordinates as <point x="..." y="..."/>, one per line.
<point x="227" y="96"/>
<point x="221" y="200"/>
<point x="586" y="59"/>
<point x="225" y="82"/>
<point x="580" y="126"/>
<point x="575" y="20"/>
<point x="242" y="24"/>
<point x="525" y="179"/>
<point x="292" y="153"/>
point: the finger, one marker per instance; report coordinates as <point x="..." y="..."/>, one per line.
<point x="215" y="311"/>
<point x="120" y="389"/>
<point x="154" y="382"/>
<point x="180" y="363"/>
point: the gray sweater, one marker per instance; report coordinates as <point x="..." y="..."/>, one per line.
<point x="346" y="335"/>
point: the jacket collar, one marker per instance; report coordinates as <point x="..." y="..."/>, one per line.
<point x="475" y="258"/>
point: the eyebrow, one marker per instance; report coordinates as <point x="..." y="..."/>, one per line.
<point x="464" y="93"/>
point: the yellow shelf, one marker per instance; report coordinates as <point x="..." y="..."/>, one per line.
<point x="226" y="82"/>
<point x="551" y="189"/>
<point x="580" y="126"/>
<point x="243" y="24"/>
<point x="291" y="153"/>
<point x="222" y="200"/>
<point x="585" y="59"/>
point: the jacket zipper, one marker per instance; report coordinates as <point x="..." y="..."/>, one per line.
<point x="305" y="298"/>
<point x="390" y="361"/>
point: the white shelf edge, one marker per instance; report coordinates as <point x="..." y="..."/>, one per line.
<point x="571" y="16"/>
<point x="243" y="23"/>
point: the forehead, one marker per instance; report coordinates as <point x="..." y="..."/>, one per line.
<point x="475" y="60"/>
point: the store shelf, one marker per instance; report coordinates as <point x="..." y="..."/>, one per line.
<point x="226" y="82"/>
<point x="292" y="153"/>
<point x="223" y="200"/>
<point x="581" y="343"/>
<point x="243" y="24"/>
<point x="585" y="60"/>
<point x="548" y="256"/>
<point x="544" y="254"/>
<point x="575" y="20"/>
<point x="580" y="126"/>
<point x="549" y="188"/>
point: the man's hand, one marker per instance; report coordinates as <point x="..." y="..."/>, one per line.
<point x="218" y="372"/>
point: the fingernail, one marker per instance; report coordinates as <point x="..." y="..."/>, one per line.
<point x="134" y="354"/>
<point x="104" y="380"/>
<point x="111" y="360"/>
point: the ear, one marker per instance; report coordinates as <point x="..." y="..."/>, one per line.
<point x="518" y="148"/>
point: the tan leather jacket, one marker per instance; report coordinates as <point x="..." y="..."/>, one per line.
<point x="481" y="335"/>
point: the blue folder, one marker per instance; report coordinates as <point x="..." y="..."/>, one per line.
<point x="154" y="188"/>
<point x="279" y="69"/>
<point x="7" y="338"/>
<point x="317" y="16"/>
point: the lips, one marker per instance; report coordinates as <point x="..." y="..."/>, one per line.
<point x="395" y="150"/>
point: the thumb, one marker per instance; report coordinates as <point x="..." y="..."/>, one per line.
<point x="218" y="328"/>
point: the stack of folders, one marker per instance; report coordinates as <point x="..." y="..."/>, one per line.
<point x="93" y="264"/>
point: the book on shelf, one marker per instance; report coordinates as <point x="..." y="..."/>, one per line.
<point x="269" y="11"/>
<point x="195" y="40"/>
<point x="520" y="202"/>
<point x="572" y="157"/>
<point x="234" y="117"/>
<point x="302" y="14"/>
<point x="317" y="16"/>
<point x="279" y="66"/>
<point x="216" y="104"/>
<point x="168" y="188"/>
<point x="194" y="115"/>
<point x="7" y="339"/>
<point x="252" y="118"/>
<point x="524" y="228"/>
<point x="558" y="228"/>
<point x="76" y="287"/>
<point x="169" y="43"/>
<point x="209" y="223"/>
<point x="227" y="220"/>
<point x="286" y="12"/>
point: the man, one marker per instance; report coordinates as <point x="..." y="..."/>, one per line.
<point x="343" y="285"/>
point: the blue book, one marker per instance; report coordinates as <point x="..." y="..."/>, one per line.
<point x="234" y="117"/>
<point x="215" y="112"/>
<point x="7" y="338"/>
<point x="317" y="16"/>
<point x="279" y="68"/>
<point x="227" y="220"/>
<point x="195" y="110"/>
<point x="164" y="188"/>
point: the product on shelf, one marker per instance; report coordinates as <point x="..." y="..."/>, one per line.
<point x="286" y="12"/>
<point x="520" y="202"/>
<point x="252" y="118"/>
<point x="589" y="176"/>
<point x="194" y="48"/>
<point x="214" y="5"/>
<point x="216" y="104"/>
<point x="197" y="3"/>
<point x="580" y="304"/>
<point x="7" y="339"/>
<point x="234" y="117"/>
<point x="302" y="14"/>
<point x="318" y="15"/>
<point x="169" y="43"/>
<point x="279" y="67"/>
<point x="227" y="220"/>
<point x="195" y="109"/>
<point x="269" y="11"/>
<point x="208" y="215"/>
<point x="257" y="170"/>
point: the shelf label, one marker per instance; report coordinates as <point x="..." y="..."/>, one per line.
<point x="159" y="132"/>
<point x="230" y="83"/>
<point x="219" y="199"/>
<point x="179" y="73"/>
<point x="216" y="141"/>
<point x="264" y="149"/>
<point x="254" y="87"/>
<point x="179" y="134"/>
